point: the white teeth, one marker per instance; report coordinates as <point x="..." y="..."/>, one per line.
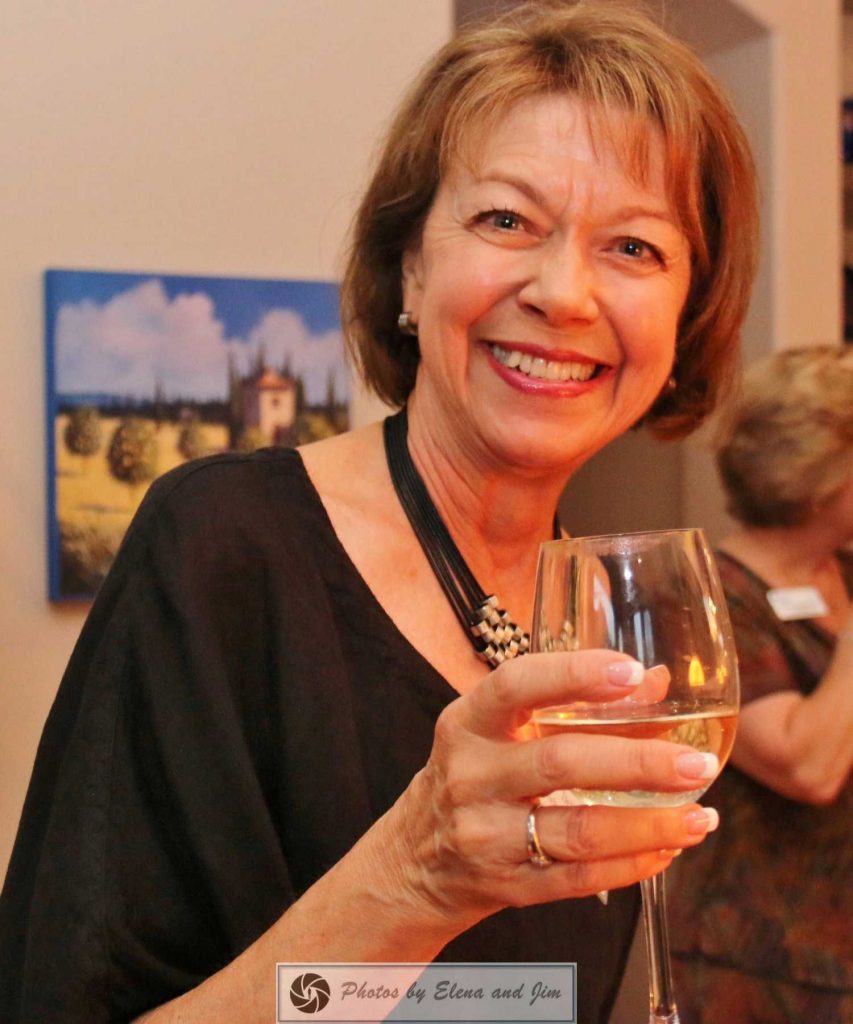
<point x="541" y="369"/>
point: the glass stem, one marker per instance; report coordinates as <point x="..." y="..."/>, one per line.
<point x="662" y="1009"/>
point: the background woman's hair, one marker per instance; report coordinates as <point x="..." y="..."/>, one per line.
<point x="786" y="445"/>
<point x="619" y="62"/>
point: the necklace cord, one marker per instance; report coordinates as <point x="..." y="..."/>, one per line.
<point x="494" y="635"/>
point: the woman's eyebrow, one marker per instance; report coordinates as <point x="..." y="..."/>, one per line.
<point x="638" y="210"/>
<point x="652" y="209"/>
<point x="522" y="184"/>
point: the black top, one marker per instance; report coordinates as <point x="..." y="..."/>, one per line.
<point x="238" y="710"/>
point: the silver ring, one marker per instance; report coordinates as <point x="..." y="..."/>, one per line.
<point x="536" y="855"/>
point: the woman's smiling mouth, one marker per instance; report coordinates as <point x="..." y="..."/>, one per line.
<point x="540" y="368"/>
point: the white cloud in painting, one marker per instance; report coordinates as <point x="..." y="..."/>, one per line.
<point x="141" y="336"/>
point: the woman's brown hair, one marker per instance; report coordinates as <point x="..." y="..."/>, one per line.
<point x="619" y="62"/>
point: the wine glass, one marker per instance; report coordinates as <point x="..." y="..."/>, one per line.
<point x="656" y="596"/>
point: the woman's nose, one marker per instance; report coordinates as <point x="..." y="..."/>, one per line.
<point x="562" y="286"/>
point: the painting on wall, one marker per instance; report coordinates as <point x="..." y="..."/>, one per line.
<point x="146" y="371"/>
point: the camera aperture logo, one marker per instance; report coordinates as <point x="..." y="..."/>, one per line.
<point x="310" y="992"/>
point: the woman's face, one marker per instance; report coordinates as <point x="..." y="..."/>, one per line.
<point x="547" y="287"/>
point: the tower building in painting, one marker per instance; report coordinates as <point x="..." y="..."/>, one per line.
<point x="269" y="405"/>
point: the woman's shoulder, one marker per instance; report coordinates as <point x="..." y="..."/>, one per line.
<point x="226" y="487"/>
<point x="221" y="509"/>
<point x="235" y="516"/>
<point x="217" y="474"/>
<point x="339" y="470"/>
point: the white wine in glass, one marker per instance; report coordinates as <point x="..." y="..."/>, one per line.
<point x="657" y="597"/>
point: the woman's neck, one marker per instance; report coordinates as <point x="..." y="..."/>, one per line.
<point x="498" y="516"/>
<point x="786" y="556"/>
<point x="797" y="556"/>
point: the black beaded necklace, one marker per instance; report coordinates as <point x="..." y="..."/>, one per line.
<point x="494" y="635"/>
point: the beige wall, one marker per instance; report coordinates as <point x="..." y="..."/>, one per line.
<point x="806" y="84"/>
<point x="189" y="136"/>
<point x="786" y="84"/>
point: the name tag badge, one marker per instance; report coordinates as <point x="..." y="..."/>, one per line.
<point x="793" y="603"/>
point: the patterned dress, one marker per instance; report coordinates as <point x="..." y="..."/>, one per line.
<point x="761" y="913"/>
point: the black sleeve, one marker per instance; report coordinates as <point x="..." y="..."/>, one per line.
<point x="149" y="851"/>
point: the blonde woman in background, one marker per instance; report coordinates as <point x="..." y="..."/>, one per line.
<point x="762" y="916"/>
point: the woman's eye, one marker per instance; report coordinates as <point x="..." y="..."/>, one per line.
<point x="637" y="249"/>
<point x="503" y="220"/>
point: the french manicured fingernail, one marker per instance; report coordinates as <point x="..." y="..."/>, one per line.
<point x="625" y="673"/>
<point x="669" y="854"/>
<point x="700" y="822"/>
<point x="698" y="766"/>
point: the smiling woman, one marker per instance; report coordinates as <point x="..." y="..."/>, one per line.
<point x="543" y="246"/>
<point x="643" y="92"/>
<point x="296" y="727"/>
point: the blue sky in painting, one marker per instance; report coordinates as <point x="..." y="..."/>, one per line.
<point x="118" y="333"/>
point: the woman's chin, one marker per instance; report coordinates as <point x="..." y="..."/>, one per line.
<point x="542" y="449"/>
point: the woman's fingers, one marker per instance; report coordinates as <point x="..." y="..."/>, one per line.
<point x="592" y="833"/>
<point x="597" y="848"/>
<point x="505" y="699"/>
<point x="573" y="879"/>
<point x="482" y="854"/>
<point x="654" y="686"/>
<point x="536" y="767"/>
<point x="498" y="836"/>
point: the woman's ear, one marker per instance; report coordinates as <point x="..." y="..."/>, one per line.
<point x="412" y="273"/>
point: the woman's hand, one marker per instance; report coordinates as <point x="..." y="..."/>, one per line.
<point x="461" y="824"/>
<point x="453" y="849"/>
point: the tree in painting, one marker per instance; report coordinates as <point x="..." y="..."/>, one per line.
<point x="132" y="454"/>
<point x="83" y="432"/>
<point x="192" y="440"/>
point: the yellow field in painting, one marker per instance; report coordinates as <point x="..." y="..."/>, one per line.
<point x="87" y="495"/>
